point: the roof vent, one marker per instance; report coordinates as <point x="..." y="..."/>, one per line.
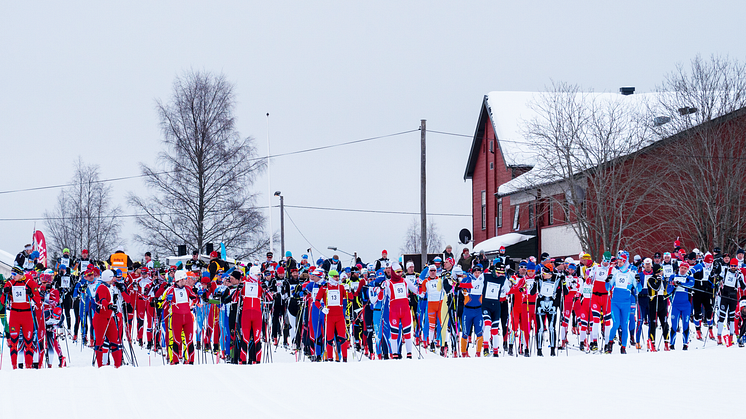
<point x="626" y="91"/>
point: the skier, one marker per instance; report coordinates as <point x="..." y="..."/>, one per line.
<point x="623" y="283"/>
<point x="431" y="289"/>
<point x="547" y="303"/>
<point x="21" y="295"/>
<point x="729" y="284"/>
<point x="657" y="285"/>
<point x="494" y="290"/>
<point x="472" y="285"/>
<point x="400" y="317"/>
<point x="53" y="320"/>
<point x="681" y="307"/>
<point x="702" y="294"/>
<point x="333" y="298"/>
<point x="180" y="299"/>
<point x="105" y="324"/>
<point x="571" y="304"/>
<point x="600" y="299"/>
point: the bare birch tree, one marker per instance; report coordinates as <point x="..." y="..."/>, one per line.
<point x="84" y="217"/>
<point x="412" y="241"/>
<point x="701" y="105"/>
<point x="202" y="180"/>
<point x="589" y="165"/>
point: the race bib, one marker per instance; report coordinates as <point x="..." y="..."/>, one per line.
<point x="65" y="281"/>
<point x="477" y="287"/>
<point x="493" y="291"/>
<point x="400" y="291"/>
<point x="547" y="289"/>
<point x="730" y="279"/>
<point x="372" y="293"/>
<point x="332" y="298"/>
<point x="742" y="303"/>
<point x="65" y="261"/>
<point x="667" y="270"/>
<point x="180" y="296"/>
<point x="587" y="290"/>
<point x="19" y="294"/>
<point x="28" y="264"/>
<point x="251" y="290"/>
<point x="314" y="291"/>
<point x="84" y="265"/>
<point x="622" y="281"/>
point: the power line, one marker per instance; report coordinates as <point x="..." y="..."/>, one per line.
<point x="357" y="210"/>
<point x="376" y="211"/>
<point x="303" y="235"/>
<point x="471" y="136"/>
<point x="308" y="150"/>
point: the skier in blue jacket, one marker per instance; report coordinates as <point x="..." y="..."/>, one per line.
<point x="623" y="283"/>
<point x="681" y="308"/>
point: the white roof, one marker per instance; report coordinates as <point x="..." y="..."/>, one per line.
<point x="7" y="258"/>
<point x="511" y="112"/>
<point x="493" y="245"/>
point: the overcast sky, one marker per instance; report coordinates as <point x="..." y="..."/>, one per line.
<point x="81" y="78"/>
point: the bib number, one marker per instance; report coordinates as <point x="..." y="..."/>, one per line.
<point x="251" y="290"/>
<point x="622" y="282"/>
<point x="19" y="294"/>
<point x="667" y="270"/>
<point x="493" y="291"/>
<point x="65" y="281"/>
<point x="476" y="287"/>
<point x="587" y="290"/>
<point x="180" y="296"/>
<point x="84" y="265"/>
<point x="730" y="279"/>
<point x="547" y="289"/>
<point x="332" y="298"/>
<point x="400" y="291"/>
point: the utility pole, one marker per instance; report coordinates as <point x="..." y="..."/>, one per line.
<point x="269" y="193"/>
<point x="282" y="225"/>
<point x="423" y="194"/>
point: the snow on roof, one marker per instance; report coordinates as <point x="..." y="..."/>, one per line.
<point x="493" y="245"/>
<point x="511" y="112"/>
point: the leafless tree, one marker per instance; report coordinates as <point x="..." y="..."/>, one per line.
<point x="203" y="177"/>
<point x="588" y="165"/>
<point x="84" y="217"/>
<point x="412" y="241"/>
<point x="701" y="106"/>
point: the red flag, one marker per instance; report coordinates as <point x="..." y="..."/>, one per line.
<point x="40" y="244"/>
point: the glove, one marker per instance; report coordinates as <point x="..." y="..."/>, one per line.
<point x="169" y="297"/>
<point x="325" y="310"/>
<point x="112" y="307"/>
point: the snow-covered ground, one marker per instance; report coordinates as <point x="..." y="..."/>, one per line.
<point x="699" y="383"/>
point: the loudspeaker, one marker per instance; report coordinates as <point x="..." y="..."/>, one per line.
<point x="182" y="250"/>
<point x="208" y="248"/>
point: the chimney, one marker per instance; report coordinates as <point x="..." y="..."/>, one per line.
<point x="626" y="91"/>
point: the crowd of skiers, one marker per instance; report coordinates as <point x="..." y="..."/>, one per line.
<point x="324" y="311"/>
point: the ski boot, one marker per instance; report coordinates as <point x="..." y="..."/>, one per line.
<point x="409" y="356"/>
<point x="666" y="347"/>
<point x="149" y="346"/>
<point x="216" y="347"/>
<point x="610" y="347"/>
<point x="139" y="342"/>
<point x="466" y="354"/>
<point x="594" y="346"/>
<point x="711" y="334"/>
<point x="432" y="346"/>
<point x="638" y="346"/>
<point x="720" y="340"/>
<point x="486" y="352"/>
<point x="495" y="353"/>
<point x="35" y="366"/>
<point x="526" y="353"/>
<point x="699" y="334"/>
<point x="505" y="346"/>
<point x="63" y="362"/>
<point x="563" y="344"/>
<point x="510" y="350"/>
<point x="444" y="351"/>
<point x="552" y="351"/>
<point x="582" y="346"/>
<point x="685" y="347"/>
<point x="651" y="346"/>
<point x="729" y="340"/>
<point x="623" y="350"/>
<point x="740" y="342"/>
<point x="75" y="338"/>
<point x="538" y="352"/>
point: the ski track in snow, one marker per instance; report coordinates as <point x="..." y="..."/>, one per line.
<point x="665" y="384"/>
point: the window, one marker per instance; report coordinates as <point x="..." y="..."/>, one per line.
<point x="565" y="210"/>
<point x="499" y="218"/>
<point x="531" y="215"/>
<point x="551" y="212"/>
<point x="492" y="146"/>
<point x="516" y="213"/>
<point x="492" y="165"/>
<point x="484" y="210"/>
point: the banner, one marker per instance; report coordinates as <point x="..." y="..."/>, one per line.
<point x="40" y="244"/>
<point x="222" y="251"/>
